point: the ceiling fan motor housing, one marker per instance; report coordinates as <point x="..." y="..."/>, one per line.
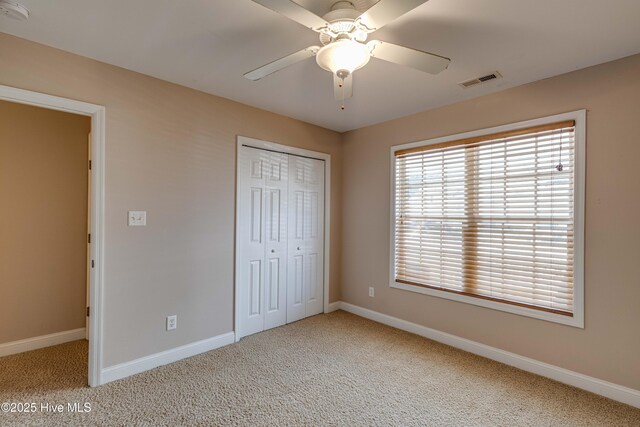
<point x="341" y="21"/>
<point x="342" y="10"/>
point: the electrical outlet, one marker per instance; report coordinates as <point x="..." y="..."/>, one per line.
<point x="172" y="322"/>
<point x="137" y="218"/>
<point x="372" y="291"/>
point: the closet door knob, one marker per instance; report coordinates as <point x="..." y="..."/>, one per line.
<point x="298" y="247"/>
<point x="273" y="251"/>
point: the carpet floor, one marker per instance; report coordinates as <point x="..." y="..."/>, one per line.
<point x="334" y="369"/>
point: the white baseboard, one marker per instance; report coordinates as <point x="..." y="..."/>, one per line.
<point x="35" y="343"/>
<point x="612" y="391"/>
<point x="142" y="364"/>
<point x="334" y="306"/>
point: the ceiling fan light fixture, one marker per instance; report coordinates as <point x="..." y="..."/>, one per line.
<point x="347" y="55"/>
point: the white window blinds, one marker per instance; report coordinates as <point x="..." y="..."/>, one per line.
<point x="490" y="217"/>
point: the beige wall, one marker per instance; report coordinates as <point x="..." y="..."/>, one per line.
<point x="43" y="221"/>
<point x="171" y="151"/>
<point x="608" y="348"/>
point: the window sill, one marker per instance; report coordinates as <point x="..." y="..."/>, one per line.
<point x="577" y="320"/>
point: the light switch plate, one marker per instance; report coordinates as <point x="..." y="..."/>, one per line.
<point x="172" y="322"/>
<point x="137" y="218"/>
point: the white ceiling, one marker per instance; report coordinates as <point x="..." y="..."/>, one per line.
<point x="209" y="44"/>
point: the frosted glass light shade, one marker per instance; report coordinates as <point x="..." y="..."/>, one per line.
<point x="346" y="55"/>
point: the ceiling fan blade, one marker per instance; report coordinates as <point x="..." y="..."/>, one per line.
<point x="295" y="12"/>
<point x="385" y="11"/>
<point x="423" y="61"/>
<point x="281" y="63"/>
<point x="342" y="88"/>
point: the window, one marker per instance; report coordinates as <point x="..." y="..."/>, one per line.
<point x="494" y="218"/>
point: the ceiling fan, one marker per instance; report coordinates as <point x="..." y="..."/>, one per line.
<point x="343" y="35"/>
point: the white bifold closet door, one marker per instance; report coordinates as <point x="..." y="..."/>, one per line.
<point x="262" y="232"/>
<point x="280" y="263"/>
<point x="305" y="238"/>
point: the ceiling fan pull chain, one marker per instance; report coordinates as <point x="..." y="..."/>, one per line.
<point x="342" y="87"/>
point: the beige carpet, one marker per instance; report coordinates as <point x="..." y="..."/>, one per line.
<point x="335" y="369"/>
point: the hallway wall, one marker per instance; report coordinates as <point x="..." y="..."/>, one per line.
<point x="43" y="221"/>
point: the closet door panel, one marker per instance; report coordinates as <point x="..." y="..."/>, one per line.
<point x="314" y="237"/>
<point x="276" y="196"/>
<point x="306" y="240"/>
<point x="251" y="242"/>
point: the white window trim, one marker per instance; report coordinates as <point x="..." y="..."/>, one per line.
<point x="577" y="320"/>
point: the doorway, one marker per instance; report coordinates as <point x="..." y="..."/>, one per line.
<point x="281" y="235"/>
<point x="93" y="221"/>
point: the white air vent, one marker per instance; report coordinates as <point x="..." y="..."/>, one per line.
<point x="483" y="79"/>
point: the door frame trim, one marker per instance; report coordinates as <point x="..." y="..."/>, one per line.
<point x="266" y="145"/>
<point x="96" y="248"/>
